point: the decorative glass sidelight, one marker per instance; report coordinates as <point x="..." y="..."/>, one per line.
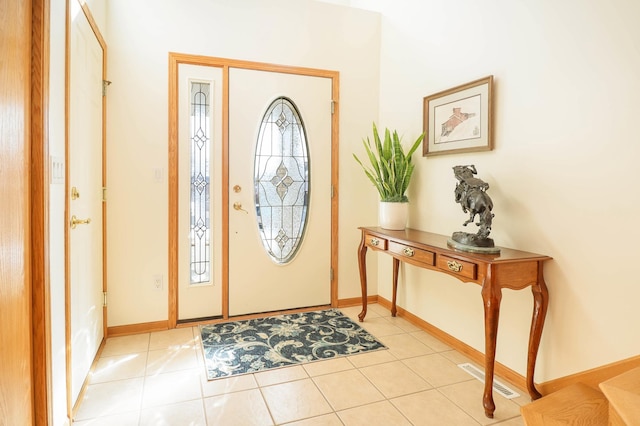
<point x="200" y="232"/>
<point x="281" y="180"/>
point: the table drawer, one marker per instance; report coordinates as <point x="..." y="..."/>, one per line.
<point x="416" y="254"/>
<point x="456" y="266"/>
<point x="375" y="242"/>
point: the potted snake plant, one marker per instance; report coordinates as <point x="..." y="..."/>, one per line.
<point x="390" y="172"/>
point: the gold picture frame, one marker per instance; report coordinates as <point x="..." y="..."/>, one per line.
<point x="459" y="119"/>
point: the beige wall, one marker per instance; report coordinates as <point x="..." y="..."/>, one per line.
<point x="565" y="144"/>
<point x="139" y="36"/>
<point x="561" y="174"/>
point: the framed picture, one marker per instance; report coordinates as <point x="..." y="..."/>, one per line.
<point x="459" y="119"/>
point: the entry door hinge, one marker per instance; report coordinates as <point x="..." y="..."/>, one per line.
<point x="104" y="301"/>
<point x="105" y="84"/>
<point x="333" y="191"/>
<point x="333" y="107"/>
<point x="330" y="274"/>
<point x="104" y="193"/>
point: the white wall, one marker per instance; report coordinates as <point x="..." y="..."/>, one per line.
<point x="140" y="35"/>
<point x="56" y="135"/>
<point x="561" y="174"/>
<point x="98" y="10"/>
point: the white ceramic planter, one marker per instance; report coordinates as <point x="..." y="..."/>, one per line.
<point x="393" y="215"/>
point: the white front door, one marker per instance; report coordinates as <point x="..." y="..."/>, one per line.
<point x="85" y="198"/>
<point x="259" y="281"/>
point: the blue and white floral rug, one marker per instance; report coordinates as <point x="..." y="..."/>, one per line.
<point x="250" y="346"/>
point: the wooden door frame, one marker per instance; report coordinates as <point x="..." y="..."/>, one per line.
<point x="72" y="408"/>
<point x="40" y="284"/>
<point x="175" y="59"/>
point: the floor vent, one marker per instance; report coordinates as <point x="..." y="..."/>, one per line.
<point x="497" y="385"/>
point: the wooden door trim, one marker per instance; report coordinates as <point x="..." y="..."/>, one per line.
<point x="175" y="59"/>
<point x="40" y="293"/>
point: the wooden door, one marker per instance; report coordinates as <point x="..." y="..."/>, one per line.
<point x="16" y="387"/>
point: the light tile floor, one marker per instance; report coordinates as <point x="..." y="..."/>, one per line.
<point x="159" y="379"/>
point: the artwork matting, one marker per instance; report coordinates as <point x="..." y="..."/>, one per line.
<point x="459" y="119"/>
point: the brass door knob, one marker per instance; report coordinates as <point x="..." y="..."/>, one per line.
<point x="75" y="221"/>
<point x="238" y="206"/>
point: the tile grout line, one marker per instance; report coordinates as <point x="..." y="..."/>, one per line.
<point x="264" y="401"/>
<point x="402" y="360"/>
<point x="385" y="398"/>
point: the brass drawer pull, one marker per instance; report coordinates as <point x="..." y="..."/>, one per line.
<point x="454" y="266"/>
<point x="408" y="251"/>
<point x="375" y="242"/>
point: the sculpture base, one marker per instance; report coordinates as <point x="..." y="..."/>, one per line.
<point x="472" y="243"/>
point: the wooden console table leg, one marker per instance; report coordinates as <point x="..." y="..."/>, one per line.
<point x="362" y="266"/>
<point x="541" y="301"/>
<point x="491" y="296"/>
<point x="396" y="266"/>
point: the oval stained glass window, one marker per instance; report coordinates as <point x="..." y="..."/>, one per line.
<point x="281" y="180"/>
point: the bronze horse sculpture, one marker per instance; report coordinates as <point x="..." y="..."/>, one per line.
<point x="471" y="194"/>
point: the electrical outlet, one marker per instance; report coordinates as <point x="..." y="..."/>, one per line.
<point x="157" y="282"/>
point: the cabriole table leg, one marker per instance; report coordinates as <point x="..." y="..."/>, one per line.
<point x="491" y="296"/>
<point x="362" y="266"/>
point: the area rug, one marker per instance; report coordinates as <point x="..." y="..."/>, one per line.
<point x="255" y="345"/>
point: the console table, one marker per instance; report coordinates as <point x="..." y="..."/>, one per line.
<point x="512" y="269"/>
